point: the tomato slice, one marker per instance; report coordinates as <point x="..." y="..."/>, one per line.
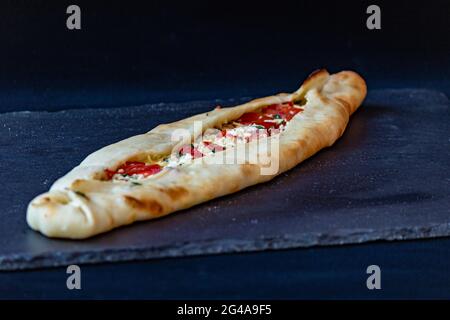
<point x="272" y="112"/>
<point x="189" y="149"/>
<point x="213" y="147"/>
<point x="266" y="124"/>
<point x="134" y="167"/>
<point x="110" y="174"/>
<point x="222" y="133"/>
<point x="284" y="111"/>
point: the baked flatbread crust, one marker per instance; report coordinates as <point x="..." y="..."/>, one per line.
<point x="82" y="203"/>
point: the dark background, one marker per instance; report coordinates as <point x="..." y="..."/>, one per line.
<point x="130" y="53"/>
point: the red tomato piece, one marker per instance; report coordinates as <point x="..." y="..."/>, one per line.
<point x="267" y="122"/>
<point x="110" y="173"/>
<point x="189" y="149"/>
<point x="249" y="117"/>
<point x="285" y="111"/>
<point x="134" y="167"/>
<point x="212" y="146"/>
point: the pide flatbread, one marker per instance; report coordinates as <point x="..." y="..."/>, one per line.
<point x="178" y="165"/>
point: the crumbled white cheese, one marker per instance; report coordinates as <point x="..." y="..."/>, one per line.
<point x="126" y="178"/>
<point x="180" y="160"/>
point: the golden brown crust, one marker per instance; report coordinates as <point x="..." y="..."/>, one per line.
<point x="153" y="207"/>
<point x="80" y="204"/>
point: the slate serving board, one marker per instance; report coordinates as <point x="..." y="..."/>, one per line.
<point x="387" y="178"/>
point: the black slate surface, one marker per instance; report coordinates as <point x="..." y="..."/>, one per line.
<point x="387" y="178"/>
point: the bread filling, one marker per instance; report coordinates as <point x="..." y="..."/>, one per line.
<point x="267" y="121"/>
